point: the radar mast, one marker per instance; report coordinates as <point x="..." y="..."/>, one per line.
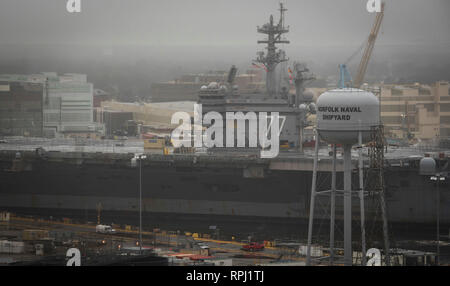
<point x="273" y="57"/>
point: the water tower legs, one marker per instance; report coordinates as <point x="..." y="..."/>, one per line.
<point x="333" y="205"/>
<point x="347" y="205"/>
<point x="313" y="196"/>
<point x="347" y="198"/>
<point x="361" y="201"/>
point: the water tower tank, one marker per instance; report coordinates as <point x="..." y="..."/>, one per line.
<point x="341" y="113"/>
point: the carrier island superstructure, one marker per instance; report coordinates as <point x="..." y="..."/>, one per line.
<point x="292" y="108"/>
<point x="219" y="186"/>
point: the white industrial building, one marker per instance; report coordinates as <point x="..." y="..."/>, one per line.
<point x="68" y="106"/>
<point x="64" y="110"/>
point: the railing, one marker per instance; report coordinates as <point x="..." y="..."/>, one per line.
<point x="73" y="145"/>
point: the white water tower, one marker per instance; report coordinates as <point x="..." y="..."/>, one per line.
<point x="344" y="116"/>
<point x="343" y="113"/>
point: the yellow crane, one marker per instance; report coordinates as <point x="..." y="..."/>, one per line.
<point x="369" y="47"/>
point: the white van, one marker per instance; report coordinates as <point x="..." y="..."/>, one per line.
<point x="104" y="229"/>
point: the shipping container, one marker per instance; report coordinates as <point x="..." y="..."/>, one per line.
<point x="156" y="143"/>
<point x="34" y="234"/>
<point x="12" y="247"/>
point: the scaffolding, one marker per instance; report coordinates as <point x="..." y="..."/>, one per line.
<point x="376" y="192"/>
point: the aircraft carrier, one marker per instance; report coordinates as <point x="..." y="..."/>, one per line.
<point x="51" y="177"/>
<point x="218" y="187"/>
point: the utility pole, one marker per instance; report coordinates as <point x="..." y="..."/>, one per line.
<point x="140" y="204"/>
<point x="438" y="210"/>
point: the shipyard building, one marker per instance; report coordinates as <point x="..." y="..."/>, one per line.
<point x="47" y="105"/>
<point x="21" y="105"/>
<point x="416" y="111"/>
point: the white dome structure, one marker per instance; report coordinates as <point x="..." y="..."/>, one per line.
<point x="342" y="113"/>
<point x="427" y="166"/>
<point x="213" y="85"/>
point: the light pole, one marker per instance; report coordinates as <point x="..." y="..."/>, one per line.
<point x="140" y="157"/>
<point x="438" y="178"/>
<point x="403" y="116"/>
<point x="428" y="167"/>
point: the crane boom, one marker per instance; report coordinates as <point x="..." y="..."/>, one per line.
<point x="345" y="76"/>
<point x="369" y="47"/>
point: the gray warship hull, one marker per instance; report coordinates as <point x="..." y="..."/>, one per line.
<point x="220" y="188"/>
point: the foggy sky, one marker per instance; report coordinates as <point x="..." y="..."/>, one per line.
<point x="156" y="40"/>
<point x="218" y="22"/>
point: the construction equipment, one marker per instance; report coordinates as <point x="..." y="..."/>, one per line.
<point x="369" y="47"/>
<point x="345" y="78"/>
<point x="253" y="246"/>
